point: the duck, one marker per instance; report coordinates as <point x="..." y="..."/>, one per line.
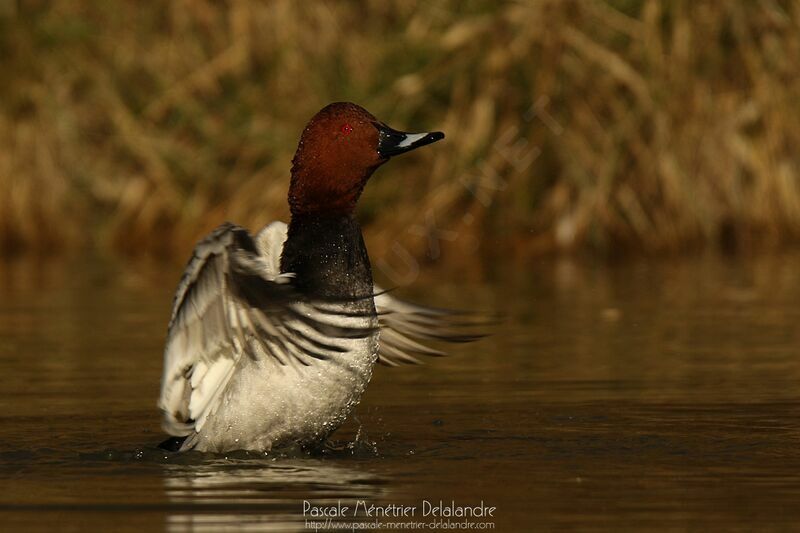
<point x="273" y="337"/>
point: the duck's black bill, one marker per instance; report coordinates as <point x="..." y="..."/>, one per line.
<point x="392" y="142"/>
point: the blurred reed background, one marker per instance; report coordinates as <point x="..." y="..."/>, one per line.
<point x="603" y="125"/>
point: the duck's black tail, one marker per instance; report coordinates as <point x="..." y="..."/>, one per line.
<point x="172" y="444"/>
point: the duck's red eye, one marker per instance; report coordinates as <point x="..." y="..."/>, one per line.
<point x="347" y="129"/>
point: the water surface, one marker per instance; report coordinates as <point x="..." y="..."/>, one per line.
<point x="652" y="394"/>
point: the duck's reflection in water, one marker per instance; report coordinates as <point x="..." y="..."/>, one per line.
<point x="229" y="495"/>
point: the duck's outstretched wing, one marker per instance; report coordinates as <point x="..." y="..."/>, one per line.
<point x="403" y="325"/>
<point x="232" y="302"/>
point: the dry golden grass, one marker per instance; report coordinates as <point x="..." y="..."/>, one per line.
<point x="655" y="125"/>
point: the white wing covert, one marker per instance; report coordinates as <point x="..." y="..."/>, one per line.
<point x="233" y="302"/>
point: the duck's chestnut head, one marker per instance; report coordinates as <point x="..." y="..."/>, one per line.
<point x="339" y="150"/>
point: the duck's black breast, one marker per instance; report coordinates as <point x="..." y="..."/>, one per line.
<point x="328" y="256"/>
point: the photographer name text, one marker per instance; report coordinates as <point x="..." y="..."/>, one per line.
<point x="426" y="508"/>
